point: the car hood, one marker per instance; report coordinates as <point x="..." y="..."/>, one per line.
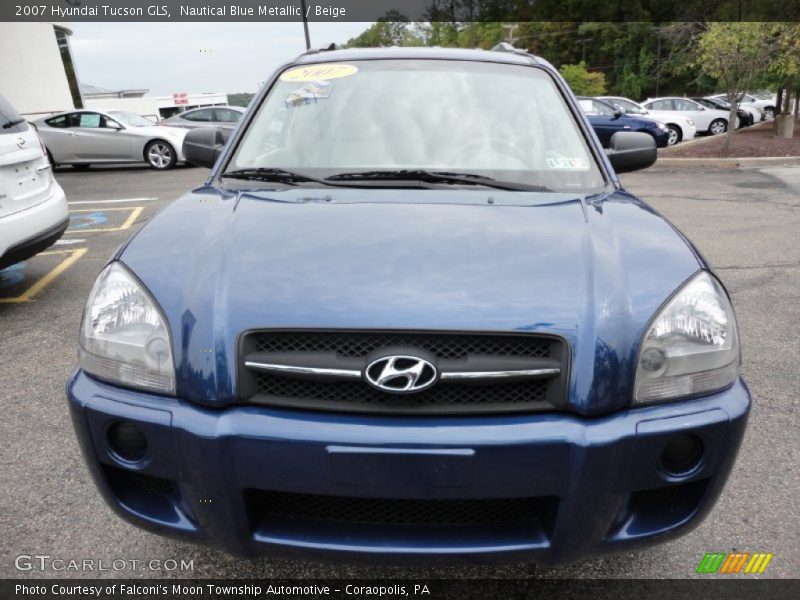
<point x="592" y="272"/>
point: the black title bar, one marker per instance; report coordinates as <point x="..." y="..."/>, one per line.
<point x="400" y="10"/>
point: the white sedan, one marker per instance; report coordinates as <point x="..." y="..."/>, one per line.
<point x="767" y="107"/>
<point x="707" y="120"/>
<point x="681" y="128"/>
<point x="83" y="137"/>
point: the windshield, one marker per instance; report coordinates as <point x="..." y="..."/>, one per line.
<point x="504" y="122"/>
<point x="130" y="119"/>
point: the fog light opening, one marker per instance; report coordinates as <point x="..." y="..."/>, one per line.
<point x="127" y="441"/>
<point x="682" y="455"/>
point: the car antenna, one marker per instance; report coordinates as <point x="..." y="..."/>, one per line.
<point x="305" y="25"/>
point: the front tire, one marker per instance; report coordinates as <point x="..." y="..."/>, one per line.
<point x="160" y="155"/>
<point x="675" y="135"/>
<point x="718" y="126"/>
<point x="769" y="113"/>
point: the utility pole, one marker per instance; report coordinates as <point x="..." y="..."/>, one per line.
<point x="305" y="24"/>
<point x="658" y="58"/>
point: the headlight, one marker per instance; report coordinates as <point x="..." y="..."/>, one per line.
<point x="691" y="346"/>
<point x="124" y="336"/>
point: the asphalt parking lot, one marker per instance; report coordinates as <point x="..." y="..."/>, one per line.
<point x="745" y="221"/>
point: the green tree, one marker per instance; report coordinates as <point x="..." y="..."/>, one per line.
<point x="393" y="29"/>
<point x="240" y="99"/>
<point x="582" y="81"/>
<point x="787" y="68"/>
<point x="734" y="54"/>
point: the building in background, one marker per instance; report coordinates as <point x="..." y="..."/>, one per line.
<point x="38" y="77"/>
<point x="37" y="73"/>
<point x="154" y="107"/>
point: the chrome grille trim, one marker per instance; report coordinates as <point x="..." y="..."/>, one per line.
<point x="483" y="375"/>
<point x="444" y="375"/>
<point x="299" y="370"/>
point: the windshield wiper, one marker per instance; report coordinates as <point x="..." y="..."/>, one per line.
<point x="436" y="177"/>
<point x="271" y="174"/>
<point x="11" y="124"/>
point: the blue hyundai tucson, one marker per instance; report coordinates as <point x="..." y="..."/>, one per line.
<point x="411" y="315"/>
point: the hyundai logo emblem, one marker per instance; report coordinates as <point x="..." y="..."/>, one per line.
<point x="400" y="374"/>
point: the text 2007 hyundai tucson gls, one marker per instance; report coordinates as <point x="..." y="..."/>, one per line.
<point x="411" y="314"/>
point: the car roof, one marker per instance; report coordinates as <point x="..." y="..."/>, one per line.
<point x="508" y="56"/>
<point x="73" y="111"/>
<point x="239" y="108"/>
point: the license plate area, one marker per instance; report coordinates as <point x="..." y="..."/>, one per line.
<point x="22" y="186"/>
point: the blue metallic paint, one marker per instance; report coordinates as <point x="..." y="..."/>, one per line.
<point x="592" y="270"/>
<point x="591" y="464"/>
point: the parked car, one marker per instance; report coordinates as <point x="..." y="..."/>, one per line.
<point x="607" y="120"/>
<point x="707" y="120"/>
<point x="219" y="116"/>
<point x="33" y="208"/>
<point x="767" y="107"/>
<point x="84" y="137"/>
<point x="746" y="117"/>
<point x="419" y="324"/>
<point x="681" y="128"/>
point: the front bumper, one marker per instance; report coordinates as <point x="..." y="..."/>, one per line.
<point x="207" y="473"/>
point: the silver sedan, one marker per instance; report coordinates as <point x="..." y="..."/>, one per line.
<point x="83" y="137"/>
<point x="212" y="116"/>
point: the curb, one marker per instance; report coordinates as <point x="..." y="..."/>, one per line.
<point x="753" y="161"/>
<point x="699" y="140"/>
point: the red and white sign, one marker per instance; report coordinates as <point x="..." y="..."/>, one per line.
<point x="180" y="98"/>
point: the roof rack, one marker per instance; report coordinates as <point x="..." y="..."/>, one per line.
<point x="329" y="48"/>
<point x="506" y="47"/>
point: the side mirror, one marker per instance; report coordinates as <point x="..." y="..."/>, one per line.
<point x="202" y="146"/>
<point x="617" y="113"/>
<point x="631" y="151"/>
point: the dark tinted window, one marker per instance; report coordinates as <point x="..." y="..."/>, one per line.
<point x="660" y="105"/>
<point x="10" y="119"/>
<point x="226" y="115"/>
<point x="199" y="115"/>
<point x="62" y="121"/>
<point x="684" y="104"/>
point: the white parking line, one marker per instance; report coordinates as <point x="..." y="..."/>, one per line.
<point x="116" y="201"/>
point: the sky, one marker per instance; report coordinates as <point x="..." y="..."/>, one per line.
<point x="193" y="57"/>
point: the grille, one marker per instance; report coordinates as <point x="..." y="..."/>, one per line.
<point x="444" y="346"/>
<point x="360" y="394"/>
<point x="393" y="511"/>
<point x="271" y="389"/>
<point x="154" y="485"/>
